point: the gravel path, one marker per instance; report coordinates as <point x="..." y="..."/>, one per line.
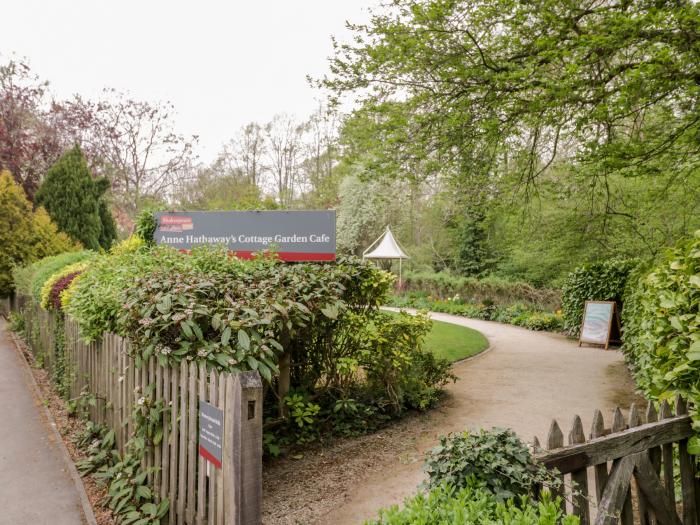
<point x="526" y="379"/>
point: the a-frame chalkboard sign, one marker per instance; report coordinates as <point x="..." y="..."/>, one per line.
<point x="601" y="324"/>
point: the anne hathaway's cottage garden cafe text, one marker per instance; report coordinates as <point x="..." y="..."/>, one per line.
<point x="242" y="238"/>
<point x="292" y="235"/>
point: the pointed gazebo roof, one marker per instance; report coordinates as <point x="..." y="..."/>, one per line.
<point x="385" y="247"/>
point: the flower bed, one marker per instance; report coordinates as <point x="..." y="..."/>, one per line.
<point x="515" y="314"/>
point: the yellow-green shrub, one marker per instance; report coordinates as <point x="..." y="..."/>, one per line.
<point x="25" y="235"/>
<point x="129" y="245"/>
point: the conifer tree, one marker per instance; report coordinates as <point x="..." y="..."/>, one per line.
<point x="25" y="235"/>
<point x="108" y="231"/>
<point x="48" y="240"/>
<point x="16" y="230"/>
<point x="72" y="199"/>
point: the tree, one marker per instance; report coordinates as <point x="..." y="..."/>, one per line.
<point x="48" y="240"/>
<point x="24" y="235"/>
<point x="72" y="198"/>
<point x="143" y="156"/>
<point x="108" y="227"/>
<point x="284" y="150"/>
<point x="16" y="231"/>
<point x="216" y="187"/>
<point x="612" y="86"/>
<point x="35" y="129"/>
<point x="26" y="148"/>
<point x="246" y="152"/>
<point x="320" y="157"/>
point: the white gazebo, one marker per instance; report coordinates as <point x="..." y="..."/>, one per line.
<point x="386" y="248"/>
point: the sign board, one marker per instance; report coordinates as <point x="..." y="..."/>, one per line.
<point x="294" y="235"/>
<point x="600" y="323"/>
<point x="211" y="433"/>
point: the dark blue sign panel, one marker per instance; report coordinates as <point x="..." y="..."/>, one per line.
<point x="293" y="235"/>
<point x="211" y="433"/>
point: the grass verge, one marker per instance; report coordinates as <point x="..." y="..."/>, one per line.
<point x="454" y="342"/>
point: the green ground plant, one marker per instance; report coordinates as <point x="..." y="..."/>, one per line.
<point x="472" y="504"/>
<point x="496" y="459"/>
<point x="17" y="322"/>
<point x="129" y="494"/>
<point x="488" y="477"/>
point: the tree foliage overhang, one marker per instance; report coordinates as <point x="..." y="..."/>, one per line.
<point x="607" y="86"/>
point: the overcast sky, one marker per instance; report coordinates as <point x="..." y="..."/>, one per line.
<point x="221" y="63"/>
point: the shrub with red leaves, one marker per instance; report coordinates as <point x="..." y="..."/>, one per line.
<point x="59" y="286"/>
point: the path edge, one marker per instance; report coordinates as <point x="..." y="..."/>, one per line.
<point x="88" y="512"/>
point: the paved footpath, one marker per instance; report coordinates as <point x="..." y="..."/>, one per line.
<point x="35" y="486"/>
<point x="523" y="381"/>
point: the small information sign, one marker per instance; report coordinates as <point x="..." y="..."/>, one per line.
<point x="211" y="433"/>
<point x="601" y="323"/>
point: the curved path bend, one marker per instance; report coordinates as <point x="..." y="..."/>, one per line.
<point x="523" y="381"/>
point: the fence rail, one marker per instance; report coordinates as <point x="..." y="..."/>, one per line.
<point x="198" y="493"/>
<point x="630" y="462"/>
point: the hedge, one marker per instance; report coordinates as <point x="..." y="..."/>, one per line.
<point x="516" y="314"/>
<point x="353" y="366"/>
<point x="601" y="281"/>
<point x="662" y="327"/>
<point x="29" y="280"/>
<point x="479" y="290"/>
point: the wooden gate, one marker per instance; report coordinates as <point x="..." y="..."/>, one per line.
<point x="625" y="474"/>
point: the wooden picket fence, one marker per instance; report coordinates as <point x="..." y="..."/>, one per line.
<point x="198" y="493"/>
<point x="625" y="473"/>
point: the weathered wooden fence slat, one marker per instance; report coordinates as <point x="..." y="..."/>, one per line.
<point x="555" y="440"/>
<point x="198" y="493"/>
<point x="579" y="478"/>
<point x="639" y="451"/>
